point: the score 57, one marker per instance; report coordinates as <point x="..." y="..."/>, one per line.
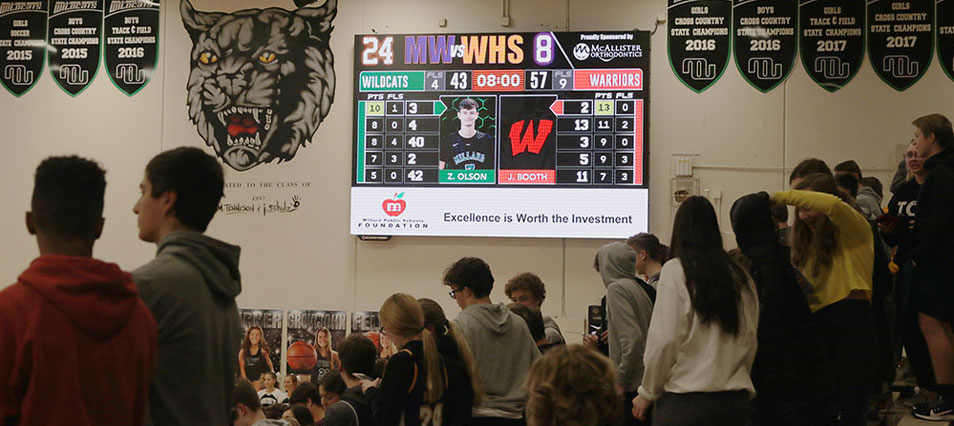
<point x="377" y="50"/>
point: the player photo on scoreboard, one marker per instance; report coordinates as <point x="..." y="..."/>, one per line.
<point x="529" y="133"/>
<point x="467" y="130"/>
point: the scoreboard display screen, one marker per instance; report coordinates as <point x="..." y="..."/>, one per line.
<point x="511" y="135"/>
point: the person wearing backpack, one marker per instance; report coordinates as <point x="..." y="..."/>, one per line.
<point x="357" y="355"/>
<point x="629" y="307"/>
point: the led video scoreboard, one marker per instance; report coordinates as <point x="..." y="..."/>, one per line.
<point x="521" y="134"/>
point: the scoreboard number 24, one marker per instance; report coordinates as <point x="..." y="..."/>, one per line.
<point x="377" y="51"/>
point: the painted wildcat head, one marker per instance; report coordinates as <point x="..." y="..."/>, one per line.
<point x="262" y="80"/>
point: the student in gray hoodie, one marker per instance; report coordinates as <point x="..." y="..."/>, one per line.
<point x="867" y="198"/>
<point x="190" y="287"/>
<point x="500" y="340"/>
<point x="629" y="306"/>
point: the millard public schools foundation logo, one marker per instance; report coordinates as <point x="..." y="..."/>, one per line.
<point x="394" y="206"/>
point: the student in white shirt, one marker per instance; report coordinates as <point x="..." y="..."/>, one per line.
<point x="270" y="394"/>
<point x="702" y="337"/>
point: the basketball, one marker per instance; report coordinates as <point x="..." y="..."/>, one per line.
<point x="301" y="356"/>
<point x="375" y="338"/>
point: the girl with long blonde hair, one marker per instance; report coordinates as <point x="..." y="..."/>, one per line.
<point x="464" y="388"/>
<point x="327" y="357"/>
<point x="412" y="389"/>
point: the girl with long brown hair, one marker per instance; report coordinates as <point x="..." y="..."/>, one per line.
<point x="702" y="337"/>
<point x="412" y="389"/>
<point x="833" y="247"/>
<point x="253" y="358"/>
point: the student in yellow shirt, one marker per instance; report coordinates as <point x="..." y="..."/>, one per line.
<point x="833" y="246"/>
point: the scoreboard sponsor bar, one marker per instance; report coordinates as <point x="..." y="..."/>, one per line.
<point x="505" y="212"/>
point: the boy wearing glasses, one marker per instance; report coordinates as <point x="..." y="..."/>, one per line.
<point x="502" y="345"/>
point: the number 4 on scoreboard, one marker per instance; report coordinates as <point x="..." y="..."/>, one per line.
<point x="376" y="50"/>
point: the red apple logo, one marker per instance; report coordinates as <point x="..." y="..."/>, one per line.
<point x="395" y="206"/>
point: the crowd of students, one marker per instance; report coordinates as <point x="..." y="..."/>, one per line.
<point x="800" y="325"/>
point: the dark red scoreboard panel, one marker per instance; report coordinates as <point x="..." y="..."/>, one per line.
<point x="565" y="109"/>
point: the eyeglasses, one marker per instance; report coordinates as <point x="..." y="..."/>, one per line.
<point x="911" y="155"/>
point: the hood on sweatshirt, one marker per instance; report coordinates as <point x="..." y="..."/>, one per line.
<point x="617" y="262"/>
<point x="943" y="157"/>
<point x="867" y="191"/>
<point x="96" y="296"/>
<point x="495" y="318"/>
<point x="217" y="261"/>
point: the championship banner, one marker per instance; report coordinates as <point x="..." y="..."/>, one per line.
<point x="945" y="36"/>
<point x="75" y="38"/>
<point x="900" y="40"/>
<point x="699" y="41"/>
<point x="22" y="44"/>
<point x="765" y="40"/>
<point x="832" y="40"/>
<point x="132" y="43"/>
<point x="261" y="348"/>
<point x="312" y="339"/>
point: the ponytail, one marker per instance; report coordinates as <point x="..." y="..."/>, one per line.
<point x="467" y="356"/>
<point x="435" y="369"/>
<point x="405" y="316"/>
<point x="434" y="317"/>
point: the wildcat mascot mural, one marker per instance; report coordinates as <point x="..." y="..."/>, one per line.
<point x="262" y="80"/>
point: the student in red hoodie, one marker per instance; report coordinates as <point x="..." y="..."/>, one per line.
<point x="78" y="344"/>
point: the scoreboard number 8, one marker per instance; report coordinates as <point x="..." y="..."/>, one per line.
<point x="376" y="50"/>
<point x="543" y="49"/>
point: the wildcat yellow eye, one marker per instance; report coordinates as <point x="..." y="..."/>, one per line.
<point x="208" y="58"/>
<point x="267" y="57"/>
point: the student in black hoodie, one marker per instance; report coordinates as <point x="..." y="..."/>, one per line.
<point x="788" y="372"/>
<point x="464" y="389"/>
<point x="897" y="228"/>
<point x="933" y="258"/>
<point x="357" y="354"/>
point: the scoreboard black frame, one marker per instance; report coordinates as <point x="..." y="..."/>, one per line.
<point x="563" y="109"/>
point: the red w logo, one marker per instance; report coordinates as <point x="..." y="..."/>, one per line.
<point x="522" y="138"/>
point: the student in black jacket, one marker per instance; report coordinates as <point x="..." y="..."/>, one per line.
<point x="357" y="354"/>
<point x="788" y="372"/>
<point x="464" y="389"/>
<point x="897" y="228"/>
<point x="933" y="258"/>
<point x="412" y="389"/>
